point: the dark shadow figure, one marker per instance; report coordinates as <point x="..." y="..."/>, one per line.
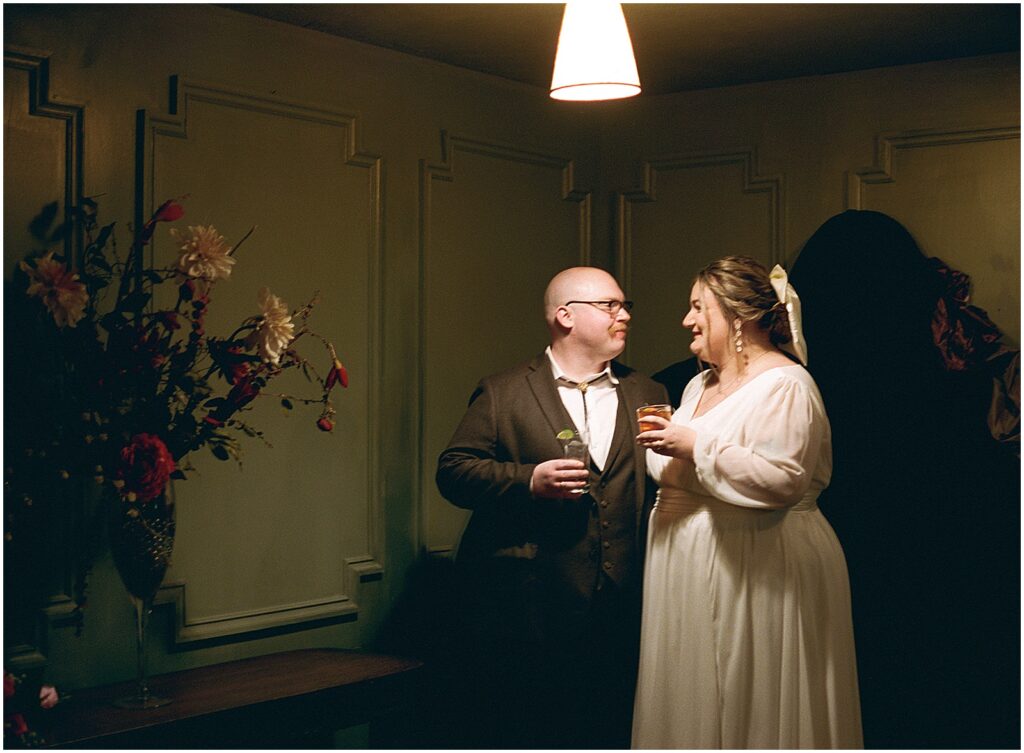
<point x="484" y="685"/>
<point x="675" y="377"/>
<point x="925" y="502"/>
<point x="424" y="623"/>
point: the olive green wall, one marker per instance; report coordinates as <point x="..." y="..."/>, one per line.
<point x="429" y="206"/>
<point x="757" y="169"/>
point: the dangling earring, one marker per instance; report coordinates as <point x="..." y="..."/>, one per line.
<point x="738" y="335"/>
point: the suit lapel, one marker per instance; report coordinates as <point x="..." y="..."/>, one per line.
<point x="542" y="384"/>
<point x="621" y="434"/>
<point x="629" y="401"/>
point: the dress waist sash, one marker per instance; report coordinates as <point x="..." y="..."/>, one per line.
<point x="680" y="501"/>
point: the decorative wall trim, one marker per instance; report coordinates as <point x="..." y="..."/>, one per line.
<point x="37" y="66"/>
<point x="451" y="145"/>
<point x="886" y="144"/>
<point x="186" y="630"/>
<point x="773" y="185"/>
<point x="359" y="569"/>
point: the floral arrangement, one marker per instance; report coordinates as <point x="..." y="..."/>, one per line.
<point x="111" y="388"/>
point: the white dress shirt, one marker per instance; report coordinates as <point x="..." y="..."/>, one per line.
<point x="597" y="423"/>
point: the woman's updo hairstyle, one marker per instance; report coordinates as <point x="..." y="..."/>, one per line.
<point x="744" y="291"/>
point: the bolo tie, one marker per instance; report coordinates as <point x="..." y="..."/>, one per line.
<point x="583" y="387"/>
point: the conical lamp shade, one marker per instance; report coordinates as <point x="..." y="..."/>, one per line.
<point x="595" y="56"/>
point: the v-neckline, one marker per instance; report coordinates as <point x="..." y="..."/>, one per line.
<point x="723" y="401"/>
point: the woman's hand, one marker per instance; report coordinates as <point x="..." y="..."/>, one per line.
<point x="669" y="439"/>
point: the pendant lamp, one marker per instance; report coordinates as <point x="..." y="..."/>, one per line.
<point x="595" y="56"/>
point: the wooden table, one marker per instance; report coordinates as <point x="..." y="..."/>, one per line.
<point x="286" y="700"/>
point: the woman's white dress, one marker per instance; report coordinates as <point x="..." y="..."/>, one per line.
<point x="747" y="637"/>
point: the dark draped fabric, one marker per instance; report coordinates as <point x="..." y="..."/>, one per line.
<point x="924" y="499"/>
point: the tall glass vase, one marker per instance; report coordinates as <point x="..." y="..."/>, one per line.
<point x="141" y="541"/>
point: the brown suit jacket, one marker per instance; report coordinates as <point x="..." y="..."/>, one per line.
<point x="509" y="428"/>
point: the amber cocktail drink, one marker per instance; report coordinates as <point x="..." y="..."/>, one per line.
<point x="665" y="411"/>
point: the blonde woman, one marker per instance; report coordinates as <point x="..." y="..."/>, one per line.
<point x="747" y="636"/>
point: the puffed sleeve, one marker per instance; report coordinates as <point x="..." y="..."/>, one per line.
<point x="769" y="461"/>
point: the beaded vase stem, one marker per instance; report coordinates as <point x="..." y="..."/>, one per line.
<point x="141" y="541"/>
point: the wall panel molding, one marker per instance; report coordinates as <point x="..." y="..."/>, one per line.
<point x="186" y="629"/>
<point x="728" y="175"/>
<point x="185" y="94"/>
<point x="888" y="144"/>
<point x="753" y="183"/>
<point x="37" y="66"/>
<point x="445" y="171"/>
<point x="452" y="145"/>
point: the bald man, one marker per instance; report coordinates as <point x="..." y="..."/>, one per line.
<point x="554" y="573"/>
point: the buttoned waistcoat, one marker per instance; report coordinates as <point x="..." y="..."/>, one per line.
<point x="509" y="427"/>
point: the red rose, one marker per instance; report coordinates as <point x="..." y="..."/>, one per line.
<point x="146" y="465"/>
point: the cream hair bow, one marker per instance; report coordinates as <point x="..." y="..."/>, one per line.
<point x="788" y="297"/>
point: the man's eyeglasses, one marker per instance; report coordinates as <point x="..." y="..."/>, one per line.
<point x="609" y="307"/>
